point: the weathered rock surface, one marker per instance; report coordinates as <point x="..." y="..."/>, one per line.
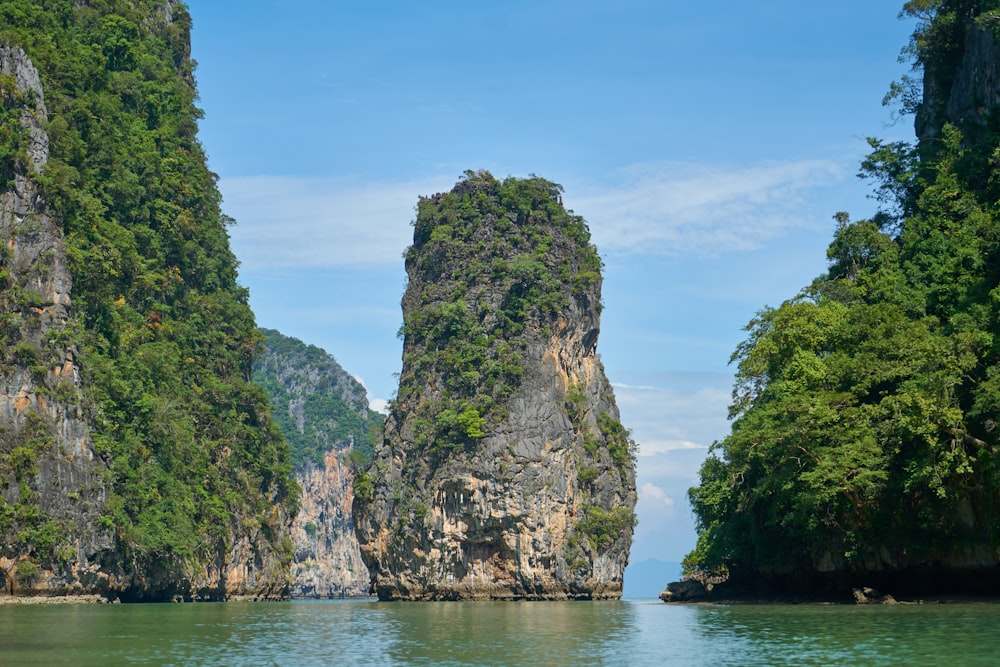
<point x="323" y="412"/>
<point x="967" y="94"/>
<point x="46" y="457"/>
<point x="686" y="590"/>
<point x="867" y="595"/>
<point x="504" y="472"/>
<point x="94" y="501"/>
<point x="327" y="560"/>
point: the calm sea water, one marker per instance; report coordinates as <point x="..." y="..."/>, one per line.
<point x="539" y="633"/>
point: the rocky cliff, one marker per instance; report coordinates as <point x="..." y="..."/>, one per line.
<point x="327" y="562"/>
<point x="504" y="472"/>
<point x="53" y="485"/>
<point x="960" y="56"/>
<point x="137" y="459"/>
<point x="324" y="414"/>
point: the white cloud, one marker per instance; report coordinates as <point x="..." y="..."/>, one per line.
<point x="309" y="223"/>
<point x="672" y="468"/>
<point x="679" y="208"/>
<point x="669" y="418"/>
<point x="379" y="405"/>
<point x="304" y="223"/>
<point x="648" y="446"/>
<point x="666" y="524"/>
<point x="652" y="493"/>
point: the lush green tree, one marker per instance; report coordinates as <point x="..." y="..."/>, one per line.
<point x="863" y="434"/>
<point x="166" y="337"/>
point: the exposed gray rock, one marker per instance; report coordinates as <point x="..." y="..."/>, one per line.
<point x="686" y="590"/>
<point x="327" y="561"/>
<point x="40" y="395"/>
<point x="14" y="62"/>
<point x="966" y="96"/>
<point x="537" y="507"/>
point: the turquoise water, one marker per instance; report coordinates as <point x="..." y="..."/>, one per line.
<point x="515" y="633"/>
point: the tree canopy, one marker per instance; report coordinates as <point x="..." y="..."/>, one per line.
<point x="165" y="334"/>
<point x="865" y="408"/>
<point x="317" y="404"/>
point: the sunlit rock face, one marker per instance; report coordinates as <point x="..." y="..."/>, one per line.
<point x="324" y="414"/>
<point x="327" y="561"/>
<point x="504" y="472"/>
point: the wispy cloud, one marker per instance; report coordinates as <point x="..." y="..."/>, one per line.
<point x="666" y="525"/>
<point x="664" y="419"/>
<point x="305" y="223"/>
<point x="310" y="223"/>
<point x="650" y="492"/>
<point x="678" y="208"/>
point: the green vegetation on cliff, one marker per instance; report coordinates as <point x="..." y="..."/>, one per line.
<point x="504" y="472"/>
<point x="501" y="229"/>
<point x="317" y="404"/>
<point x="864" y="431"/>
<point x="165" y="335"/>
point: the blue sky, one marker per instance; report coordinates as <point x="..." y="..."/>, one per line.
<point x="708" y="147"/>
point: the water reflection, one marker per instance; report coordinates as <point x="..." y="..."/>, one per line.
<point x="511" y="633"/>
<point x="850" y="634"/>
<point x="515" y="633"/>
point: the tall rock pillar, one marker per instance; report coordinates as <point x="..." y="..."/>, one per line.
<point x="504" y="472"/>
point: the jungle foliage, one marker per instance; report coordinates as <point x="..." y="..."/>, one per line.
<point x="467" y="333"/>
<point x="165" y="334"/>
<point x="864" y="415"/>
<point x="317" y="404"/>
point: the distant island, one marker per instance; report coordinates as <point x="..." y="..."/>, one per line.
<point x="864" y="451"/>
<point x="324" y="415"/>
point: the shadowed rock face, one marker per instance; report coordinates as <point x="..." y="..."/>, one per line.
<point x="504" y="472"/>
<point x="967" y="93"/>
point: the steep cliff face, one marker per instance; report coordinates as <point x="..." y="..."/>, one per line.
<point x="504" y="472"/>
<point x="53" y="486"/>
<point x="327" y="561"/>
<point x="961" y="82"/>
<point x="324" y="414"/>
<point x="137" y="458"/>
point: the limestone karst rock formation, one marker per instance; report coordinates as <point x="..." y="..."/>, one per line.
<point x="327" y="561"/>
<point x="137" y="459"/>
<point x="323" y="412"/>
<point x="41" y="412"/>
<point x="504" y="472"/>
